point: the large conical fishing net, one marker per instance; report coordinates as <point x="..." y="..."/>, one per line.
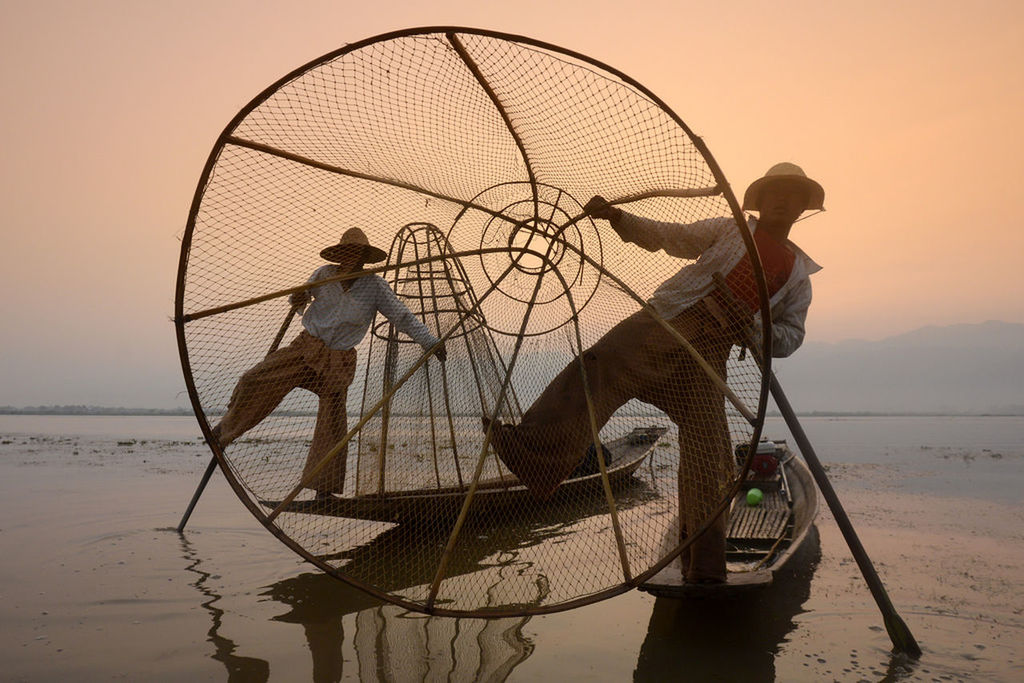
<point x="468" y="157"/>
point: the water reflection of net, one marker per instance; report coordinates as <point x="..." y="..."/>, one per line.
<point x="498" y="141"/>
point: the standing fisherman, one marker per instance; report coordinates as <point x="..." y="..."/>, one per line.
<point x="322" y="358"/>
<point x="639" y="359"/>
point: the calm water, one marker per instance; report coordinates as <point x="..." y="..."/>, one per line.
<point x="96" y="587"/>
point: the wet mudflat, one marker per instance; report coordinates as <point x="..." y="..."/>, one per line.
<point x="97" y="586"/>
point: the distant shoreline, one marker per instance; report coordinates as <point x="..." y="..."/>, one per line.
<point x="91" y="410"/>
<point x="187" y="412"/>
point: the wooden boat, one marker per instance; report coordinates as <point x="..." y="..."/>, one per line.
<point x="760" y="539"/>
<point x="626" y="455"/>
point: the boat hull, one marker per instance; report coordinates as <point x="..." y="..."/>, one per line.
<point x="760" y="542"/>
<point x="628" y="453"/>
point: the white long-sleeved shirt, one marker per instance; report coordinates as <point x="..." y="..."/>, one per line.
<point x="340" y="318"/>
<point x="717" y="246"/>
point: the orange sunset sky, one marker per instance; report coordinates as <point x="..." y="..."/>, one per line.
<point x="909" y="113"/>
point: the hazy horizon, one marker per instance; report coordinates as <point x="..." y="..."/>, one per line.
<point x="964" y="369"/>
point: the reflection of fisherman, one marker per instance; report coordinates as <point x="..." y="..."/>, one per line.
<point x="322" y="358"/>
<point x="708" y="636"/>
<point x="639" y="359"/>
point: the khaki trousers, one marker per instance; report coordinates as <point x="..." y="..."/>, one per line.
<point x="639" y="359"/>
<point x="306" y="363"/>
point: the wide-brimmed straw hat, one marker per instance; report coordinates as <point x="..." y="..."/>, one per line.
<point x="785" y="171"/>
<point x="352" y="240"/>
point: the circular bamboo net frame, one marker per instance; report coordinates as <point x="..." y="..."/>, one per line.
<point x="468" y="155"/>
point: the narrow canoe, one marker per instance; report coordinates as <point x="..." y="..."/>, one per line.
<point x="760" y="539"/>
<point x="627" y="453"/>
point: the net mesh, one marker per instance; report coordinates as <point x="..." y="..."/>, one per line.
<point x="468" y="157"/>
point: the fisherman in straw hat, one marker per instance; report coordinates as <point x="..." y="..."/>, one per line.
<point x="322" y="358"/>
<point x="639" y="359"/>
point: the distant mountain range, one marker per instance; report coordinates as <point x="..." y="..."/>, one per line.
<point x="975" y="369"/>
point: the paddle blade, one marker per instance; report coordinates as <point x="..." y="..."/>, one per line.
<point x="902" y="639"/>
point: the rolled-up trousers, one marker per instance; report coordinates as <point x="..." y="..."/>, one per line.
<point x="306" y="363"/>
<point x="640" y="359"/>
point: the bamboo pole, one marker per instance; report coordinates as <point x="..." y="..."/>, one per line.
<point x="445" y="389"/>
<point x="684" y="193"/>
<point x="899" y="633"/>
<point x="435" y="584"/>
<point x="719" y="382"/>
<point x="330" y="168"/>
<point x="385" y="414"/>
<point x="598" y="448"/>
<point x="463" y="53"/>
<point x="477" y="380"/>
<point x="199" y="492"/>
<point x="213" y="461"/>
<point x="430" y="393"/>
<point x="205" y="313"/>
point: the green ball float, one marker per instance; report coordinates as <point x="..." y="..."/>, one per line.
<point x="754" y="497"/>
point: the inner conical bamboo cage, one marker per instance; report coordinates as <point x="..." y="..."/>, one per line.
<point x="442" y="400"/>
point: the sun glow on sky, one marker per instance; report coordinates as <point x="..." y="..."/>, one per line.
<point x="908" y="113"/>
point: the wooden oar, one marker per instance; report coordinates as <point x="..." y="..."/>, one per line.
<point x="899" y="633"/>
<point x="213" y="461"/>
